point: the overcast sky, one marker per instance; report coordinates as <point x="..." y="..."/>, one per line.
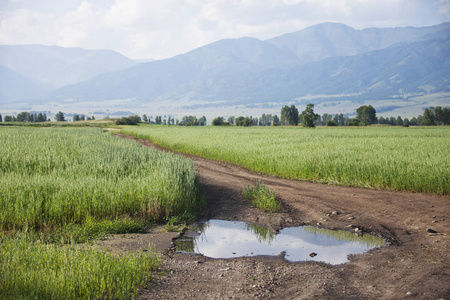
<point x="158" y="29"/>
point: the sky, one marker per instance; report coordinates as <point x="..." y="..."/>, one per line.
<point x="158" y="29"/>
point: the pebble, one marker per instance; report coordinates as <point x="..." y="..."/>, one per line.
<point x="429" y="230"/>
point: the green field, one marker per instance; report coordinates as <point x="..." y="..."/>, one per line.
<point x="395" y="158"/>
<point x="60" y="186"/>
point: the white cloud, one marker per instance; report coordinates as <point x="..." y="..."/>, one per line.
<point x="163" y="28"/>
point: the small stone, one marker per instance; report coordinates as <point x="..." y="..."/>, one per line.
<point x="356" y="229"/>
<point x="429" y="230"/>
<point x="408" y="293"/>
<point x="312" y="254"/>
<point x="351" y="218"/>
<point x="335" y="213"/>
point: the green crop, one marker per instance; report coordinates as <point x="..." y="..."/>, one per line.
<point x="63" y="186"/>
<point x="409" y="159"/>
<point x="58" y="176"/>
<point x="33" y="270"/>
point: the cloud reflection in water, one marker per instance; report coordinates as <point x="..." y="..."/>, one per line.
<point x="228" y="239"/>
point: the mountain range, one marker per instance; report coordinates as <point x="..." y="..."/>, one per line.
<point x="324" y="61"/>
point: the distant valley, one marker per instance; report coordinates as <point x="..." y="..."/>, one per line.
<point x="397" y="70"/>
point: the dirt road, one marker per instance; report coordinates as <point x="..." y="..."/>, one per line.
<point x="415" y="264"/>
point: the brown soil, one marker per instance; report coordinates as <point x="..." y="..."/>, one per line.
<point x="415" y="264"/>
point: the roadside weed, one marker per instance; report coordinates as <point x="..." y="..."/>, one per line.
<point x="262" y="197"/>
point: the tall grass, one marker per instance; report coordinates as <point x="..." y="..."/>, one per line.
<point x="62" y="186"/>
<point x="411" y="159"/>
<point x="262" y="197"/>
<point x="58" y="176"/>
<point x="32" y="270"/>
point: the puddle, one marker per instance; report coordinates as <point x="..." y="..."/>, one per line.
<point x="228" y="239"/>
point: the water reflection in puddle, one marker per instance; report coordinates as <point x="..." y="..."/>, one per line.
<point x="228" y="239"/>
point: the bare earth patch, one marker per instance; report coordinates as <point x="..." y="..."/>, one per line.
<point x="415" y="264"/>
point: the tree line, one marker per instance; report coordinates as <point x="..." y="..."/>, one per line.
<point x="42" y="117"/>
<point x="365" y="115"/>
<point x="290" y="116"/>
<point x="26" y="117"/>
<point x="185" y="121"/>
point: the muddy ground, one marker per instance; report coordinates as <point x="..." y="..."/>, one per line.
<point x="414" y="265"/>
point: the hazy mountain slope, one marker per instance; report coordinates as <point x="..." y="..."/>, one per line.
<point x="332" y="39"/>
<point x="199" y="73"/>
<point x="233" y="71"/>
<point x="374" y="75"/>
<point x="54" y="67"/>
<point x="16" y="88"/>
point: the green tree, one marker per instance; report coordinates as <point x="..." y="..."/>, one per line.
<point x="353" y="122"/>
<point x="59" y="117"/>
<point x="325" y="118"/>
<point x="276" y="121"/>
<point x="158" y="120"/>
<point x="392" y="120"/>
<point x="331" y="123"/>
<point x="76" y="118"/>
<point x="41" y="117"/>
<point x="428" y="117"/>
<point x="366" y="115"/>
<point x="130" y="120"/>
<point x="218" y="121"/>
<point x="202" y="121"/>
<point x="239" y="121"/>
<point x="439" y="115"/>
<point x="145" y="118"/>
<point x="399" y="121"/>
<point x="289" y="115"/>
<point x="266" y="120"/>
<point x="446" y="113"/>
<point x="23" y="117"/>
<point x="308" y="116"/>
<point x="1" y="120"/>
<point x="191" y="121"/>
<point x="188" y="121"/>
<point x="341" y="121"/>
<point x="248" y="121"/>
<point x="230" y="120"/>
